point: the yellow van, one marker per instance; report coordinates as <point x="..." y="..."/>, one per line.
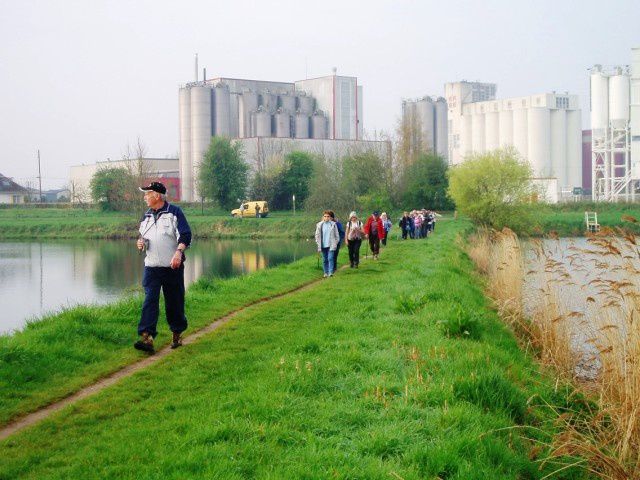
<point x="253" y="208"/>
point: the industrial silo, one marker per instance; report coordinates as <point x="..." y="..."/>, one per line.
<point x="505" y="128"/>
<point x="201" y="132"/>
<point x="268" y="101"/>
<point x="306" y="103"/>
<point x="539" y="151"/>
<point x="559" y="146"/>
<point x="186" y="167"/>
<point x="318" y="126"/>
<point x="574" y="148"/>
<point x="287" y="103"/>
<point x="599" y="102"/>
<point x="425" y="111"/>
<point x="477" y="132"/>
<point x="521" y="132"/>
<point x="282" y="122"/>
<point x="234" y="115"/>
<point x="221" y="109"/>
<point x="261" y="123"/>
<point x="466" y="145"/>
<point x="248" y="103"/>
<point x="619" y="99"/>
<point x="442" y="130"/>
<point x="491" y="130"/>
<point x="301" y="125"/>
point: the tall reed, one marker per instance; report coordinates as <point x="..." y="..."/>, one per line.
<point x="597" y="346"/>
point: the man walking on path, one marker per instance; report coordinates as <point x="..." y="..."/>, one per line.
<point x="374" y="231"/>
<point x="164" y="235"/>
<point x="327" y="239"/>
<point x="340" y="240"/>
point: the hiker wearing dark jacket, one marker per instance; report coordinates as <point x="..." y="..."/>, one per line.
<point x="374" y="231"/>
<point x="406" y="225"/>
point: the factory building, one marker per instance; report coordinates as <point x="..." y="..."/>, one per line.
<point x="302" y="115"/>
<point x="426" y="120"/>
<point x="544" y="129"/>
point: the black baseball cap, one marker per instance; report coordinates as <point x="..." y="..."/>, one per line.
<point x="155" y="187"/>
<point x="376" y="213"/>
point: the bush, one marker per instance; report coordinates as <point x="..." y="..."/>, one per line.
<point x="223" y="173"/>
<point x="494" y="190"/>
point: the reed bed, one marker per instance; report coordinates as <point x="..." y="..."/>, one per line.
<point x="580" y="315"/>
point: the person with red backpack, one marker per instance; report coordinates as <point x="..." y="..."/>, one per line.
<point x="374" y="231"/>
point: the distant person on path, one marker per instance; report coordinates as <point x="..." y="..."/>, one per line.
<point x="386" y="224"/>
<point x="341" y="236"/>
<point x="353" y="238"/>
<point x="405" y="225"/>
<point x="374" y="231"/>
<point x="164" y="236"/>
<point x="257" y="210"/>
<point x="327" y="238"/>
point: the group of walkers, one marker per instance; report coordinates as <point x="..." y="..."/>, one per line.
<point x="331" y="234"/>
<point x="417" y="223"/>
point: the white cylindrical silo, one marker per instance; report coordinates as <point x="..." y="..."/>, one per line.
<point x="318" y="126"/>
<point x="539" y="141"/>
<point x="261" y="123"/>
<point x="619" y="99"/>
<point x="305" y="104"/>
<point x="491" y="131"/>
<point x="282" y="121"/>
<point x="201" y="132"/>
<point x="442" y="128"/>
<point x="466" y="144"/>
<point x="505" y="128"/>
<point x="287" y="103"/>
<point x="521" y="132"/>
<point x="574" y="148"/>
<point x="301" y="125"/>
<point x="425" y="113"/>
<point x="268" y="101"/>
<point x="559" y="146"/>
<point x="248" y="103"/>
<point x="221" y="109"/>
<point x="477" y="133"/>
<point x="186" y="167"/>
<point x="234" y="115"/>
<point x="599" y="102"/>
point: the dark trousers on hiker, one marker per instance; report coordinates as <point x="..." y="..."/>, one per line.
<point x="172" y="283"/>
<point x="354" y="252"/>
<point x="335" y="258"/>
<point x="374" y="244"/>
<point x="405" y="232"/>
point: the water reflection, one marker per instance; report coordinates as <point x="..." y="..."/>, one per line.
<point x="37" y="277"/>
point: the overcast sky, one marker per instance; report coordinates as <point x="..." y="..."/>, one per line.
<point x="80" y="80"/>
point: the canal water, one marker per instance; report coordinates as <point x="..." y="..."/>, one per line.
<point x="37" y="278"/>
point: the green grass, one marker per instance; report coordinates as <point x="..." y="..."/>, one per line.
<point x="342" y="380"/>
<point x="49" y="223"/>
<point x="568" y="219"/>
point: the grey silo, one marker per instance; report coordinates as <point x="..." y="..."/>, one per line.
<point x="441" y="137"/>
<point x="318" y="126"/>
<point x="287" y="103"/>
<point x="305" y="104"/>
<point x="186" y="166"/>
<point x="261" y="123"/>
<point x="282" y="123"/>
<point x="221" y="109"/>
<point x="248" y="103"/>
<point x="301" y="125"/>
<point x="268" y="101"/>
<point x="201" y="132"/>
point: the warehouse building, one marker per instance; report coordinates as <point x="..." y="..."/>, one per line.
<point x="269" y="118"/>
<point x="544" y="129"/>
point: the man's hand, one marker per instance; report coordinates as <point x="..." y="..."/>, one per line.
<point x="140" y="244"/>
<point x="176" y="260"/>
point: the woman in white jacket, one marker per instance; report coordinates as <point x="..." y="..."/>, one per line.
<point x="327" y="238"/>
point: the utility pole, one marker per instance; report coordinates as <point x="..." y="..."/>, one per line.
<point x="39" y="179"/>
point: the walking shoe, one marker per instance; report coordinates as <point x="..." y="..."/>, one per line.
<point x="177" y="340"/>
<point x="145" y="343"/>
<point x="325" y="276"/>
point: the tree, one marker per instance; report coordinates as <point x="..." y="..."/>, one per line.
<point x="425" y="184"/>
<point x="494" y="190"/>
<point x="223" y="172"/>
<point x="363" y="174"/>
<point x="111" y="189"/>
<point x="265" y="185"/>
<point x="296" y="174"/>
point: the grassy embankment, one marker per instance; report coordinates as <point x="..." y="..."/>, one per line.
<point x="396" y="370"/>
<point x="567" y="219"/>
<point x="50" y="223"/>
